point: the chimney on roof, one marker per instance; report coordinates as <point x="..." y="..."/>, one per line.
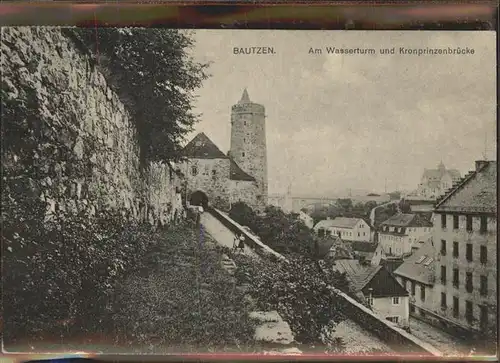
<point x="480" y="164"/>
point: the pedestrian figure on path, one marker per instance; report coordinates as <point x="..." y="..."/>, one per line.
<point x="198" y="216"/>
<point x="239" y="243"/>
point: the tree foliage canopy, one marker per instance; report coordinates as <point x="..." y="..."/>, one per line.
<point x="301" y="294"/>
<point x="153" y="74"/>
<point x="283" y="232"/>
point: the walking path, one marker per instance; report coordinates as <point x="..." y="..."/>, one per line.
<point x="221" y="234"/>
<point x="448" y="344"/>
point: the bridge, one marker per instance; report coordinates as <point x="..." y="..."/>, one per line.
<point x="291" y="203"/>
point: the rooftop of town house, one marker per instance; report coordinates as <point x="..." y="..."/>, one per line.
<point x="363" y="276"/>
<point x="339" y="222"/>
<point x="475" y="193"/>
<point x="420" y="266"/>
<point x="406" y="220"/>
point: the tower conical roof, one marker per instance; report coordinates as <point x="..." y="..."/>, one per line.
<point x="244" y="97"/>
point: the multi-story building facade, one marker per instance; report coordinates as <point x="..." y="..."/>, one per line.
<point x="465" y="236"/>
<point x="400" y="233"/>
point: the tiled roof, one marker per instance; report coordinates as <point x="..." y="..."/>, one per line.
<point x="417" y="266"/>
<point x="339" y="222"/>
<point x="358" y="274"/>
<point x="329" y="244"/>
<point x="476" y="193"/>
<point x="362" y="277"/>
<point x="201" y="147"/>
<point x="236" y="173"/>
<point x="406" y="220"/>
<point x="384" y="284"/>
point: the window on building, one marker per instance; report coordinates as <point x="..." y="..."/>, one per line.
<point x="214" y="172"/>
<point x="483" y="319"/>
<point x="194" y="170"/>
<point x="244" y="140"/>
<point x="455" y="277"/>
<point x="483" y="289"/>
<point x="469" y="315"/>
<point x="328" y="232"/>
<point x="455" y="307"/>
<point x="455" y="222"/>
<point x="468" y="252"/>
<point x="484" y="224"/>
<point x="443" y="300"/>
<point x="413" y="288"/>
<point x="443" y="275"/>
<point x="244" y="123"/>
<point x="468" y="282"/>
<point x="422" y="292"/>
<point x="243" y="154"/>
<point x="359" y="234"/>
<point x="412" y="308"/>
<point x="468" y="225"/>
<point x="393" y="319"/>
<point x="483" y="256"/>
<point x="395" y="300"/>
<point x="443" y="247"/>
<point x="321" y="232"/>
<point x="455" y="249"/>
<point x="443" y="220"/>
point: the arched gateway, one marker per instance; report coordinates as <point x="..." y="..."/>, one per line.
<point x="199" y="198"/>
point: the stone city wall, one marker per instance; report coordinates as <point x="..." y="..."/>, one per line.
<point x="86" y="146"/>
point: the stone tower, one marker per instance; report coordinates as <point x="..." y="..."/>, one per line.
<point x="248" y="141"/>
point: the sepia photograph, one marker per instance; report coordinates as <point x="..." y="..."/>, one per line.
<point x="270" y="192"/>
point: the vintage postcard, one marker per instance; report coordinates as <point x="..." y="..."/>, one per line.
<point x="285" y="192"/>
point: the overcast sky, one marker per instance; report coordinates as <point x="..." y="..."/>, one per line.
<point x="337" y="122"/>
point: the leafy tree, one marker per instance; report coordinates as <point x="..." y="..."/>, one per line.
<point x="152" y="72"/>
<point x="283" y="232"/>
<point x="302" y="295"/>
<point x="384" y="213"/>
<point x="345" y="204"/>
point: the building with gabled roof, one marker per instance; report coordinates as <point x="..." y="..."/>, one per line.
<point x="378" y="288"/>
<point x="400" y="233"/>
<point x="349" y="229"/>
<point x="435" y="182"/>
<point x="214" y="178"/>
<point x="465" y="236"/>
<point x="417" y="274"/>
